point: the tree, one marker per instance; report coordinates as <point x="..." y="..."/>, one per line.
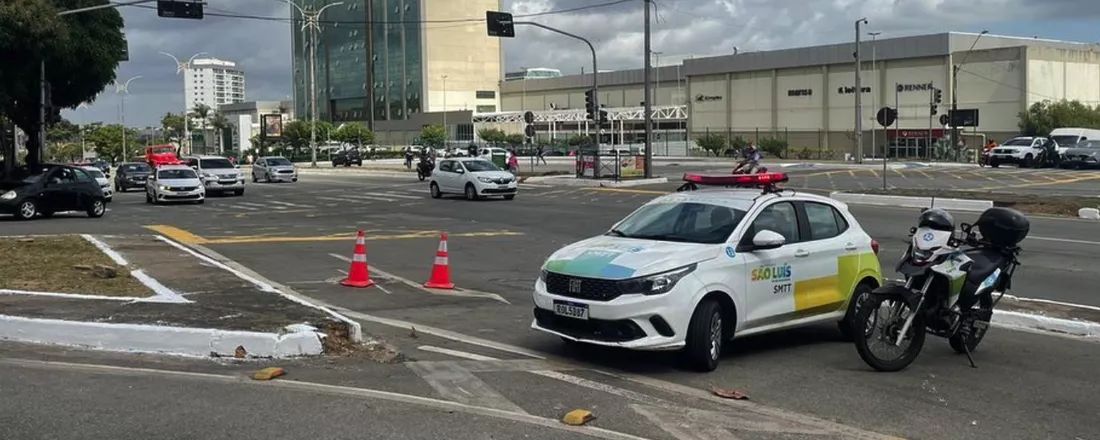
<point x="712" y="142"/>
<point x="219" y="123"/>
<point x="173" y="125"/>
<point x="296" y="134"/>
<point x="107" y="141"/>
<point x="433" y="135"/>
<point x="491" y="135"/>
<point x="202" y="113"/>
<point x="578" y="140"/>
<point x="775" y="147"/>
<point x="354" y="133"/>
<point x="64" y="151"/>
<point x="80" y="53"/>
<point x="1042" y="117"/>
<point x="514" y="139"/>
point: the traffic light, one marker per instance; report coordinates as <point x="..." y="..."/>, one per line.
<point x="603" y="116"/>
<point x="180" y="9"/>
<point x="939" y="96"/>
<point x="590" y="104"/>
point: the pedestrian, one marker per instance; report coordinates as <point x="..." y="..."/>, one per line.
<point x="540" y="152"/>
<point x="472" y="150"/>
<point x="513" y="162"/>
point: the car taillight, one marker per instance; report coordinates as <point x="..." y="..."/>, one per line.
<point x="874" y="246"/>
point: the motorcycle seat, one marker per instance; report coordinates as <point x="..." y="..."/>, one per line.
<point x="984" y="262"/>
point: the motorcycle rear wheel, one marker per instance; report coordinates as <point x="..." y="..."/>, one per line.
<point x="878" y="323"/>
<point x="972" y="339"/>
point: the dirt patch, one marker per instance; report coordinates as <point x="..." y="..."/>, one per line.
<point x="1029" y="203"/>
<point x="63" y="264"/>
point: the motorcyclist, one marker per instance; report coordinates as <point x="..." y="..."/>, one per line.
<point x="751" y="161"/>
<point x="408" y="157"/>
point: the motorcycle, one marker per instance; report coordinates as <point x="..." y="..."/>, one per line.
<point x="951" y="278"/>
<point x="983" y="159"/>
<point x="749" y="165"/>
<point x="424" y="169"/>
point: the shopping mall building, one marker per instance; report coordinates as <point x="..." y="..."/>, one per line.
<point x="807" y="95"/>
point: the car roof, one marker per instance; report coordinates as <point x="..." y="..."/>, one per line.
<point x="173" y="167"/>
<point x="272" y="157"/>
<point x="90" y="168"/>
<point x="740" y="198"/>
<point x="205" y="157"/>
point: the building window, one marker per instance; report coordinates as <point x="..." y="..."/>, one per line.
<point x="486" y="94"/>
<point x="486" y="109"/>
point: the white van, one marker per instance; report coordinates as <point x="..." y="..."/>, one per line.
<point x="1068" y="137"/>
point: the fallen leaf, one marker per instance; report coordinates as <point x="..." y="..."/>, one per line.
<point x="578" y="417"/>
<point x="729" y="393"/>
<point x="268" y="373"/>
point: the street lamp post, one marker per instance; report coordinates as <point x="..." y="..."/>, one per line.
<point x="955" y="91"/>
<point x="657" y="73"/>
<point x="310" y="21"/>
<point x="859" y="98"/>
<point x="874" y="91"/>
<point x="445" y="110"/>
<point x="123" y="89"/>
<point x="183" y="67"/>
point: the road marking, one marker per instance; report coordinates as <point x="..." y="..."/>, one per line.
<point x="103" y="247"/>
<point x="627" y="190"/>
<point x="418" y="286"/>
<point x="1064" y="240"/>
<point x="176" y="234"/>
<point x="186" y="237"/>
<point x="452" y="382"/>
<point x="292" y="205"/>
<point x="443" y="333"/>
<point x="249" y="208"/>
<point x="401" y="196"/>
<point x="370" y="197"/>
<point x="1053" y="182"/>
<point x="337" y="390"/>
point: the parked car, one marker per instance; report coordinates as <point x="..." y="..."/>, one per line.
<point x="102" y="180"/>
<point x="52" y="189"/>
<point x="274" y="169"/>
<point x="132" y="175"/>
<point x="693" y="270"/>
<point x="1085" y="154"/>
<point x="475" y="178"/>
<point x="174" y="183"/>
<point x="1019" y="150"/>
<point x="218" y="174"/>
<point x="347" y="158"/>
<point x="1070" y="137"/>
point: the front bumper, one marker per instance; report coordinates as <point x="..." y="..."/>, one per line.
<point x="495" y="189"/>
<point x="1006" y="158"/>
<point x="223" y="185"/>
<point x="130" y="183"/>
<point x="628" y="321"/>
<point x="181" y="196"/>
<point x="281" y="177"/>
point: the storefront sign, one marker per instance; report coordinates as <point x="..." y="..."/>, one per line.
<point x="705" y="98"/>
<point x="632" y="166"/>
<point x="800" y="92"/>
<point x="915" y="87"/>
<point x="846" y="90"/>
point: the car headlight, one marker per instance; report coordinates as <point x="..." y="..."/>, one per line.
<point x="655" y="284"/>
<point x="209" y="176"/>
<point x="542" y="275"/>
<point x="485" y="179"/>
<point x="8" y="195"/>
<point x="164" y="187"/>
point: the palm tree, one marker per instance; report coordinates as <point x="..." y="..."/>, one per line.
<point x="219" y="123"/>
<point x="202" y="113"/>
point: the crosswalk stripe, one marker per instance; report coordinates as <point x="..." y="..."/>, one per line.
<point x="403" y="196"/>
<point x="366" y="197"/>
<point x="293" y="205"/>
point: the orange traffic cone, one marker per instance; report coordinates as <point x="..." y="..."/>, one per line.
<point x="441" y="270"/>
<point x="358" y="275"/>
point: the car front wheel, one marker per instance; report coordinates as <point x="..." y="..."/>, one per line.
<point x="98" y="208"/>
<point x="435" y="191"/>
<point x="27" y="210"/>
<point x="705" y="337"/>
<point x="471" y="192"/>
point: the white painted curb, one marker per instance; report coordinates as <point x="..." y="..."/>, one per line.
<point x="1089" y="213"/>
<point x="568" y="180"/>
<point x="200" y="342"/>
<point x="912" y="202"/>
<point x="1046" y="324"/>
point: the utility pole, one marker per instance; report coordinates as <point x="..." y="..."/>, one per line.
<point x="648" y="102"/>
<point x="310" y="20"/>
<point x="874" y="91"/>
<point x="183" y="67"/>
<point x="955" y="91"/>
<point x="123" y="89"/>
<point x="445" y="111"/>
<point x="859" y="98"/>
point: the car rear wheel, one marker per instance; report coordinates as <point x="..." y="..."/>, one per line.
<point x="254" y="179"/>
<point x="1028" y="162"/>
<point x="435" y="191"/>
<point x="509" y="197"/>
<point x="97" y="209"/>
<point x="705" y="337"/>
<point x="471" y="192"/>
<point x="240" y="192"/>
<point x="27" y="210"/>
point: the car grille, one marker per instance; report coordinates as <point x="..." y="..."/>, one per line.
<point x="594" y="289"/>
<point x="595" y="329"/>
<point x="182" y="188"/>
<point x="1003" y="151"/>
<point x="285" y="171"/>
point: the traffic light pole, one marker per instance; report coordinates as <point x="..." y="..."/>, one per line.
<point x="595" y="74"/>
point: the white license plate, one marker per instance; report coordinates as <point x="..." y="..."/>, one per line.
<point x="571" y="310"/>
<point x="502" y="186"/>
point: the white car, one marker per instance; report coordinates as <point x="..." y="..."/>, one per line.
<point x="218" y="174"/>
<point x="691" y="270"/>
<point x="102" y="180"/>
<point x="1018" y="150"/>
<point x="472" y="177"/>
<point x="174" y="183"/>
<point x="274" y="169"/>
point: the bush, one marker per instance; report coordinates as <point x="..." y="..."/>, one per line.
<point x="774" y="147"/>
<point x="711" y="142"/>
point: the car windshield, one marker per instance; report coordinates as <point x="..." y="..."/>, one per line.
<point x="687" y="222"/>
<point x="176" y="174"/>
<point x="96" y="174"/>
<point x="135" y="168"/>
<point x="1067" y="141"/>
<point x="480" y="165"/>
<point x="278" y="162"/>
<point x="211" y="164"/>
<point x="1018" y="142"/>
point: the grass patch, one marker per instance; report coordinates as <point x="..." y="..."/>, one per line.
<point x="46" y="264"/>
<point x="1029" y="203"/>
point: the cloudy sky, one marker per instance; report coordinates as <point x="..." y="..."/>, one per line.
<point x="684" y="28"/>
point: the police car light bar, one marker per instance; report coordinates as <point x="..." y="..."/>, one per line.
<point x="739" y="180"/>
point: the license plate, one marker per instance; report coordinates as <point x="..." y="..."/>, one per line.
<point x="502" y="186"/>
<point x="571" y="310"/>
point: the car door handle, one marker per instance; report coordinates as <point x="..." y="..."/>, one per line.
<point x="850" y="246"/>
<point x="801" y="253"/>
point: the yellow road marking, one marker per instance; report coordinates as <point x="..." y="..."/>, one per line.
<point x="926" y="176"/>
<point x="852" y="173"/>
<point x="873" y="172"/>
<point x="627" y="190"/>
<point x="186" y="237"/>
<point x="1053" y="182"/>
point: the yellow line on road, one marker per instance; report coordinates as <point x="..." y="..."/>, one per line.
<point x="627" y="190"/>
<point x="926" y="176"/>
<point x="1054" y="182"/>
<point x="852" y="173"/>
<point x="186" y="237"/>
<point x="873" y="172"/>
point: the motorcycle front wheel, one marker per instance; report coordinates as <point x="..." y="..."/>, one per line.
<point x="878" y="324"/>
<point x="420" y="175"/>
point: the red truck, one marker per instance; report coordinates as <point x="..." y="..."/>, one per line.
<point x="158" y="155"/>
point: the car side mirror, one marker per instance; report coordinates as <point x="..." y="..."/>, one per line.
<point x="767" y="239"/>
<point x="460" y="171"/>
<point x="237" y="166"/>
<point x="55" y="181"/>
<point x="195" y="167"/>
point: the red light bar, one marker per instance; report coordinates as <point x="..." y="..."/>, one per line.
<point x="744" y="180"/>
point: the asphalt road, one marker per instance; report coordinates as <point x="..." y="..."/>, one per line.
<point x="1026" y="386"/>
